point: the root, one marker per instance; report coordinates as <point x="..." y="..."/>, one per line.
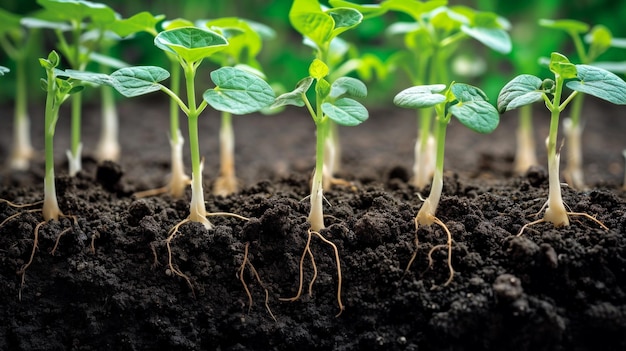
<point x="307" y="250"/>
<point x="448" y="245"/>
<point x="94" y="236"/>
<point x="571" y="214"/>
<point x="258" y="279"/>
<point x="56" y="242"/>
<point x="151" y="192"/>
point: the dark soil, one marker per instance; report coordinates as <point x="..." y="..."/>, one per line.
<point x="108" y="285"/>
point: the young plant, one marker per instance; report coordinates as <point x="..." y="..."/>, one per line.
<point x="527" y="89"/>
<point x="77" y="17"/>
<point x="321" y="28"/>
<point x="431" y="40"/>
<point x="600" y="40"/>
<point x="245" y="43"/>
<point x="17" y="43"/>
<point x="470" y="106"/>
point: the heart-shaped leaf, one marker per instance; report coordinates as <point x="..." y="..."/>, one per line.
<point x="420" y="96"/>
<point x="190" y="43"/>
<point x="307" y="17"/>
<point x="345" y="18"/>
<point x="521" y="90"/>
<point x="559" y="64"/>
<point x="466" y="93"/>
<point x="349" y="86"/>
<point x="79" y="10"/>
<point x="345" y="112"/>
<point x="599" y="83"/>
<point x="479" y="116"/>
<point x="294" y="97"/>
<point x="494" y="38"/>
<point x="238" y="91"/>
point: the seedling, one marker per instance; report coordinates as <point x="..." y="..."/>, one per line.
<point x="527" y="89"/>
<point x="77" y="17"/>
<point x="18" y="44"/>
<point x="431" y="41"/>
<point x="332" y="102"/>
<point x="470" y="106"/>
<point x="57" y="91"/>
<point x="600" y="40"/>
<point x="244" y="45"/>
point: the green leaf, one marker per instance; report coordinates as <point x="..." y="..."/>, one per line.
<point x="79" y="10"/>
<point x="141" y="22"/>
<point x="413" y="8"/>
<point x="494" y="38"/>
<point x="139" y="80"/>
<point x="307" y="17"/>
<point x="190" y="43"/>
<point x="345" y="112"/>
<point x="568" y="25"/>
<point x="368" y="11"/>
<point x="243" y="46"/>
<point x="522" y="90"/>
<point x="345" y="18"/>
<point x="420" y="96"/>
<point x="176" y="23"/>
<point x="349" y="86"/>
<point x="318" y="69"/>
<point x="294" y="97"/>
<point x="4" y="70"/>
<point x="600" y="39"/>
<point x="599" y="83"/>
<point x="615" y="67"/>
<point x="466" y="93"/>
<point x="238" y="91"/>
<point x="84" y="76"/>
<point x="37" y="23"/>
<point x="479" y="116"/>
<point x="559" y="64"/>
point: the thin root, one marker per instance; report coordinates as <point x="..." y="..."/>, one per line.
<point x="448" y="245"/>
<point x="14" y="205"/>
<point x="307" y="249"/>
<point x="151" y="192"/>
<point x="571" y="214"/>
<point x="258" y="279"/>
<point x="342" y="182"/>
<point x="22" y="271"/>
<point x="173" y="269"/>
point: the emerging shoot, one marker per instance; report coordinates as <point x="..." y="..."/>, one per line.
<point x="527" y="89"/>
<point x="470" y="106"/>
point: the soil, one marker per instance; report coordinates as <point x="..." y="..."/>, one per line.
<point x="108" y="285"/>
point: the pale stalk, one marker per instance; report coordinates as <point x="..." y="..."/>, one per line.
<point x="50" y="208"/>
<point x="22" y="151"/>
<point x="316" y="215"/>
<point x="424" y="165"/>
<point x="555" y="210"/>
<point x="108" y="148"/>
<point x="525" y="155"/>
<point x="75" y="152"/>
<point x="331" y="156"/>
<point x="226" y="183"/>
<point x="178" y="179"/>
<point x="197" y="208"/>
<point x="572" y="128"/>
<point x="426" y="214"/>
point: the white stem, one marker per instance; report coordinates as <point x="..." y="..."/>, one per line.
<point x="51" y="208"/>
<point x="226" y="183"/>
<point x="573" y="173"/>
<point x="329" y="163"/>
<point x="22" y="148"/>
<point x="555" y="211"/>
<point x="316" y="216"/>
<point x="178" y="180"/>
<point x="424" y="166"/>
<point x="197" y="209"/>
<point x="74" y="161"/>
<point x="525" y="155"/>
<point x="108" y="148"/>
<point x="427" y="212"/>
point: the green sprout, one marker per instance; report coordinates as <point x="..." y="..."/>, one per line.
<point x="600" y="40"/>
<point x="470" y="106"/>
<point x="333" y="104"/>
<point x="17" y="43"/>
<point x="77" y="17"/>
<point x="527" y="89"/>
<point x="431" y="40"/>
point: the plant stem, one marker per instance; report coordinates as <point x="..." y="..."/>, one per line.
<point x="51" y="208"/>
<point x="555" y="211"/>
<point x="108" y="146"/>
<point x="572" y="128"/>
<point x="424" y="150"/>
<point x="426" y="214"/>
<point x="525" y="155"/>
<point x="179" y="180"/>
<point x="316" y="215"/>
<point x="226" y="183"/>
<point x="22" y="147"/>
<point x="74" y="154"/>
<point x="197" y="208"/>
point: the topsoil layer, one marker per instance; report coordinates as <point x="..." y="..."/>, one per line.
<point x="108" y="285"/>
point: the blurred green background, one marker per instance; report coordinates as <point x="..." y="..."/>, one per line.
<point x="285" y="59"/>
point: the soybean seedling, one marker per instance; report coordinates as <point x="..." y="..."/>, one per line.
<point x="18" y="43"/>
<point x="245" y="44"/>
<point x="431" y="40"/>
<point x="527" y="89"/>
<point x="600" y="40"/>
<point x="57" y="91"/>
<point x="332" y="104"/>
<point x="470" y="106"/>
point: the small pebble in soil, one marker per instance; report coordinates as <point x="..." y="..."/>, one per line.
<point x="109" y="174"/>
<point x="508" y="288"/>
<point x="536" y="175"/>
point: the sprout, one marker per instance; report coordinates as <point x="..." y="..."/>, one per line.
<point x="470" y="106"/>
<point x="527" y="89"/>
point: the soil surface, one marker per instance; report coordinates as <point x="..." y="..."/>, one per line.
<point x="108" y="285"/>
